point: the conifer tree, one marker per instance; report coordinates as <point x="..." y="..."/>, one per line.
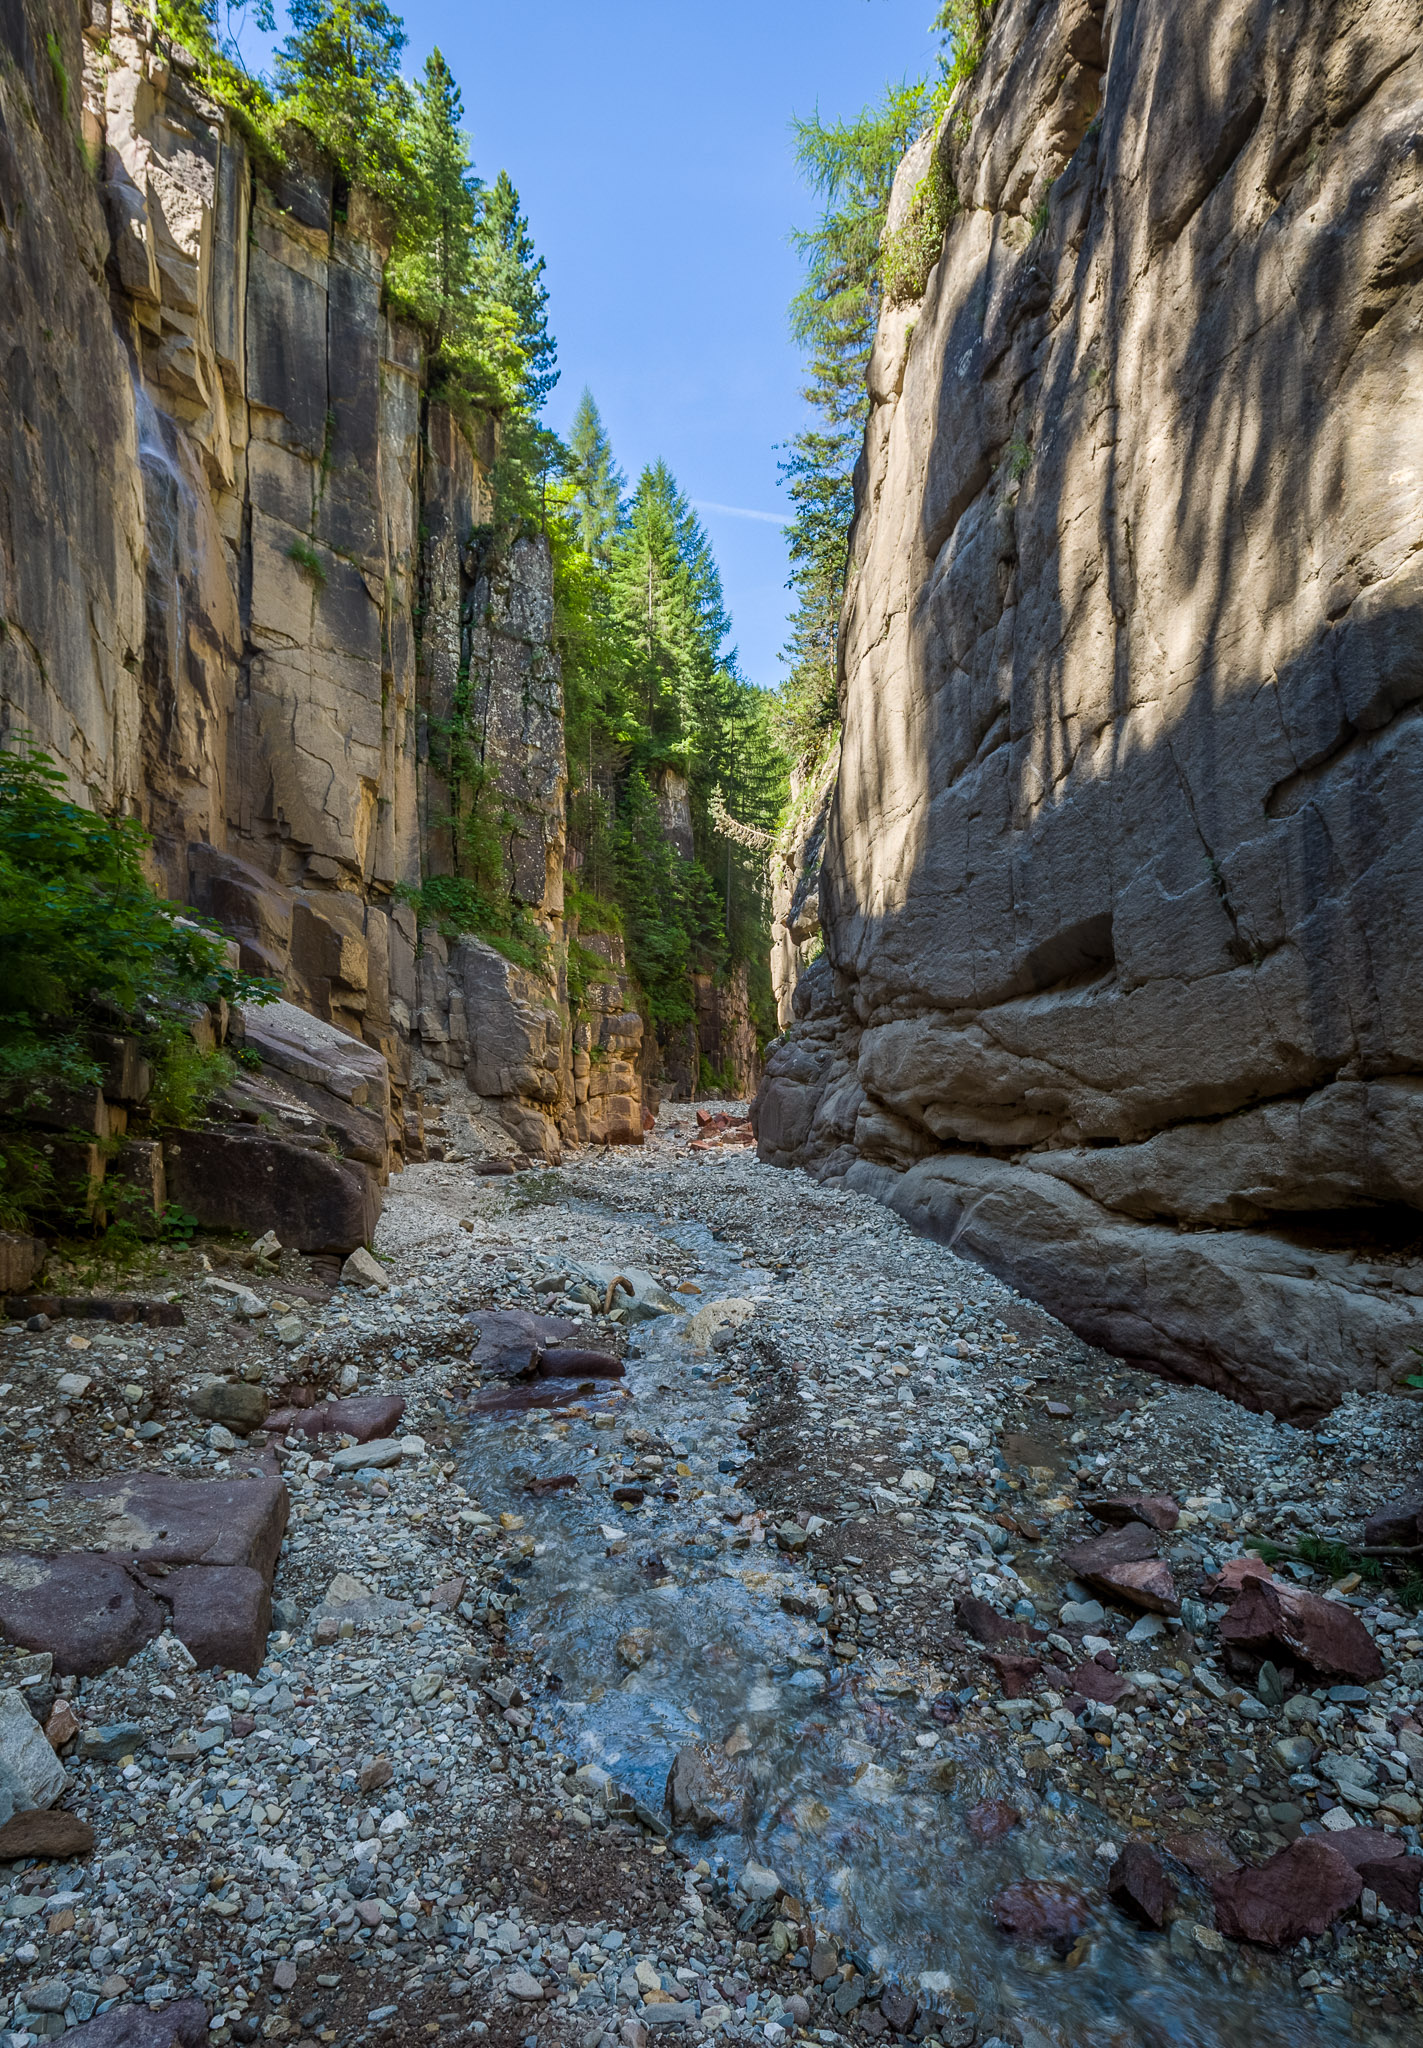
<point x="436" y="268"/>
<point x="511" y="273"/>
<point x="339" y="75"/>
<point x="598" y="483"/>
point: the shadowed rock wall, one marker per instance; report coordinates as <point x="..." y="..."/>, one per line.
<point x="1121" y="890"/>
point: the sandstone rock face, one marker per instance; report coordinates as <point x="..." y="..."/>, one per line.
<point x="1120" y="889"/>
<point x="221" y="482"/>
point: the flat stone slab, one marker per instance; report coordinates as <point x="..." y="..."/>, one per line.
<point x="194" y="1555"/>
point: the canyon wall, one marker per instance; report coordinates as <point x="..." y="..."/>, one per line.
<point x="248" y="578"/>
<point x="1122" y="886"/>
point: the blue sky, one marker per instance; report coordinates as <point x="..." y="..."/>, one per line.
<point x="650" y="142"/>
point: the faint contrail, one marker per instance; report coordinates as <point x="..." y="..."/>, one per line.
<point x="741" y="512"/>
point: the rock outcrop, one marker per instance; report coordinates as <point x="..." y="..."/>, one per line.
<point x="1121" y="884"/>
<point x="247" y="586"/>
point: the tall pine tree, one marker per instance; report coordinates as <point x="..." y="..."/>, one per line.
<point x="598" y="483"/>
<point x="339" y="76"/>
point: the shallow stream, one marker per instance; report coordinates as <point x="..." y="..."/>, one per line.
<point x="859" y="1785"/>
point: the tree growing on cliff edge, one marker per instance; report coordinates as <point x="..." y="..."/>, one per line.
<point x="338" y="74"/>
<point x="850" y="166"/>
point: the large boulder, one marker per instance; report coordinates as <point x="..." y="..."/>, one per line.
<point x="196" y="1556"/>
<point x="231" y="1181"/>
<point x="344" y="1083"/>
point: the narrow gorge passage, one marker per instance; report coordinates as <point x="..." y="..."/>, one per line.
<point x="599" y="1705"/>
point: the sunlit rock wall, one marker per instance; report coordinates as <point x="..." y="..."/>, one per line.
<point x="242" y="587"/>
<point x="1121" y="892"/>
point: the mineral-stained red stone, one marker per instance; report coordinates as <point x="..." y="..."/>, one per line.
<point x="162" y="1520"/>
<point x="1016" y="1675"/>
<point x="1383" y="1863"/>
<point x="1148" y="1584"/>
<point x="1298" y="1893"/>
<point x="563" y="1361"/>
<point x="1396" y="1524"/>
<point x="1206" y="1855"/>
<point x="986" y="1625"/>
<point x="45" y="1831"/>
<point x="991" y="1819"/>
<point x="1157" y="1510"/>
<point x="363" y="1416"/>
<point x="222" y="1613"/>
<point x="1126" y="1545"/>
<point x="85" y="1608"/>
<point x="133" y="2026"/>
<point x="1271" y="1619"/>
<point x="1037" y="1911"/>
<point x="1396" y="1879"/>
<point x="1232" y="1575"/>
<point x="899" y="2007"/>
<point x="1095" y="1682"/>
<point x="1139" y="1885"/>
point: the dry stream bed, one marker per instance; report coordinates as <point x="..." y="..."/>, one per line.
<point x="598" y="1709"/>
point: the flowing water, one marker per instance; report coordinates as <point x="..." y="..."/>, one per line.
<point x="859" y="1786"/>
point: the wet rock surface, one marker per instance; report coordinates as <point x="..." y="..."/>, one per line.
<point x="752" y="1689"/>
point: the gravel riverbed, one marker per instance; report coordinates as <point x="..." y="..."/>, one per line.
<point x="771" y="1556"/>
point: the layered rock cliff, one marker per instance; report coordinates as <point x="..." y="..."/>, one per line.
<point x="248" y="578"/>
<point x="1121" y="885"/>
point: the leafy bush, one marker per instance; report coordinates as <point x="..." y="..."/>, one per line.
<point x="909" y="254"/>
<point x="85" y="941"/>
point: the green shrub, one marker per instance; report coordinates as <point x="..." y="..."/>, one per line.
<point x="909" y="254"/>
<point x="308" y="561"/>
<point x="85" y="941"/>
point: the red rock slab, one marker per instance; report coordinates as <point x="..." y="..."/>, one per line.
<point x="509" y="1342"/>
<point x="1037" y="1911"/>
<point x="222" y="1613"/>
<point x="1271" y="1619"/>
<point x="1206" y="1855"/>
<point x="133" y="2026"/>
<point x="160" y="1520"/>
<point x="1232" y="1575"/>
<point x="1395" y="1880"/>
<point x="1094" y="1682"/>
<point x="1396" y="1525"/>
<point x="363" y="1416"/>
<point x="1138" y="1884"/>
<point x="564" y="1362"/>
<point x="45" y="1831"/>
<point x="987" y="1626"/>
<point x="1132" y="1543"/>
<point x="991" y="1819"/>
<point x="1359" y="1846"/>
<point x="1296" y="1895"/>
<point x="86" y="1608"/>
<point x="1148" y="1584"/>
<point x="1157" y="1510"/>
<point x="105" y="1308"/>
<point x="1018" y="1676"/>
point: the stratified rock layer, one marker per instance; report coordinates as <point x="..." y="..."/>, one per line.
<point x="1121" y="888"/>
